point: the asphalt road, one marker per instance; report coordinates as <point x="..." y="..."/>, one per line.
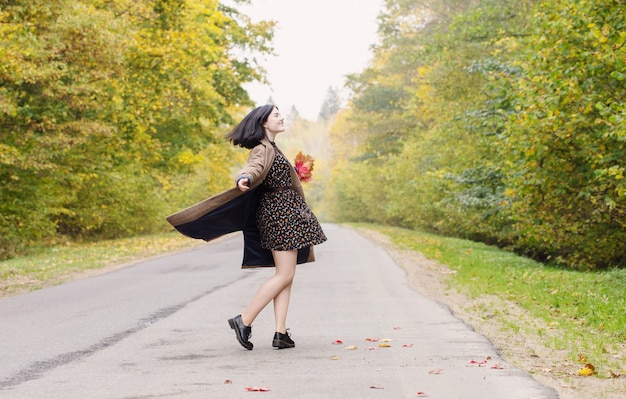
<point x="158" y="329"/>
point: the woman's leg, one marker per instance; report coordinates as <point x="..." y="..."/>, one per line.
<point x="277" y="287"/>
<point x="281" y="305"/>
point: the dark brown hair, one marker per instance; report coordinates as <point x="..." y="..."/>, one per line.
<point x="249" y="132"/>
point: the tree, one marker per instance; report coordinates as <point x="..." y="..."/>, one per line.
<point x="106" y="106"/>
<point x="566" y="143"/>
<point x="331" y="105"/>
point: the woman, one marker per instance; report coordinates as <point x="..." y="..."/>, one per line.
<point x="268" y="207"/>
<point x="284" y="221"/>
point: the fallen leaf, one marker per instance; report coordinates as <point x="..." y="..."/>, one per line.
<point x="614" y="375"/>
<point x="372" y="339"/>
<point x="407" y="345"/>
<point x="582" y="359"/>
<point x="421" y="394"/>
<point x="478" y="361"/>
<point x="384" y="345"/>
<point x="385" y="340"/>
<point x="586" y="371"/>
<point x="372" y="348"/>
<point x="498" y="366"/>
<point x="228" y="382"/>
<point x="334" y="358"/>
<point x="257" y="389"/>
<point x="397" y="328"/>
<point x="351" y="348"/>
<point x="376" y="387"/>
<point x="337" y="342"/>
<point x="435" y="371"/>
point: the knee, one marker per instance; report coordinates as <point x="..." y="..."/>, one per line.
<point x="286" y="277"/>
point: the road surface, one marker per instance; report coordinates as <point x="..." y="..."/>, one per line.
<point x="158" y="329"/>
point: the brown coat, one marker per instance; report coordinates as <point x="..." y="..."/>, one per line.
<point x="234" y="210"/>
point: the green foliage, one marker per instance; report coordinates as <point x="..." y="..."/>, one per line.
<point x="567" y="140"/>
<point x="497" y="121"/>
<point x="439" y="115"/>
<point x="106" y="105"/>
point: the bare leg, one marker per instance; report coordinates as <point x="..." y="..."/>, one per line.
<point x="281" y="305"/>
<point x="276" y="287"/>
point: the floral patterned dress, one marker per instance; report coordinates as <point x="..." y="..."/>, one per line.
<point x="284" y="219"/>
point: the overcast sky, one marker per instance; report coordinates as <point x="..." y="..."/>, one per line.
<point x="317" y="43"/>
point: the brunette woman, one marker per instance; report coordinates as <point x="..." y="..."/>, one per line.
<point x="285" y="223"/>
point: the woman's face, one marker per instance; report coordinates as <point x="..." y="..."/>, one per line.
<point x="275" y="122"/>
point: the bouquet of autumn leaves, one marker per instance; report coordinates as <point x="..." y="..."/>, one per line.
<point x="304" y="166"/>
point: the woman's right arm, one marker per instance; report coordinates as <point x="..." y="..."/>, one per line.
<point x="253" y="169"/>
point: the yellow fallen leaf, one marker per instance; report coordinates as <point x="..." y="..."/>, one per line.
<point x="384" y="345"/>
<point x="582" y="358"/>
<point x="587" y="370"/>
<point x="385" y="340"/>
<point x="334" y="358"/>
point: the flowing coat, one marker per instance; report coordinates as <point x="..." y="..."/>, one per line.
<point x="235" y="210"/>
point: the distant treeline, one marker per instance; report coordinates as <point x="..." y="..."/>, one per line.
<point x="494" y="120"/>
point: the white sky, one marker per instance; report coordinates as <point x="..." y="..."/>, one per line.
<point x="317" y="43"/>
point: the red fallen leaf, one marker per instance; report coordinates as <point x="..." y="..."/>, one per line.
<point x="478" y="361"/>
<point x="372" y="348"/>
<point x="407" y="345"/>
<point x="435" y="371"/>
<point x="337" y="342"/>
<point x="257" y="389"/>
<point x="421" y="394"/>
<point x="498" y="366"/>
<point x="376" y="387"/>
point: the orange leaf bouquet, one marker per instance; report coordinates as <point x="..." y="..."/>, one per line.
<point x="304" y="166"/>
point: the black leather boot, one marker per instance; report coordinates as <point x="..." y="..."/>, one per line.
<point x="282" y="341"/>
<point x="243" y="332"/>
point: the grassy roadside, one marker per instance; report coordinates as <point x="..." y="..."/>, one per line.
<point x="51" y="266"/>
<point x="585" y="312"/>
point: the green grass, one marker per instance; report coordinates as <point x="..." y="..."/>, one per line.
<point x="49" y="266"/>
<point x="587" y="309"/>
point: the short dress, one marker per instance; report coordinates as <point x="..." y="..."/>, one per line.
<point x="283" y="218"/>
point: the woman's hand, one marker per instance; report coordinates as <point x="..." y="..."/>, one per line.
<point x="244" y="184"/>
